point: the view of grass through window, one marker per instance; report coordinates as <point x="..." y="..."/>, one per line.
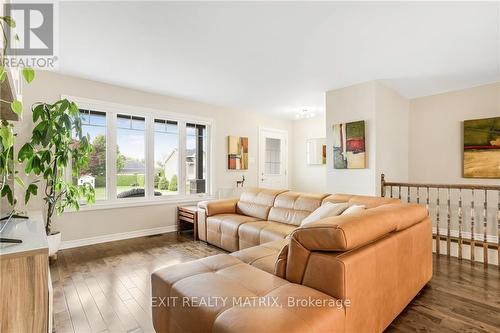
<point x="94" y="124"/>
<point x="131" y="162"/>
<point x="166" y="156"/>
<point x="131" y="156"/>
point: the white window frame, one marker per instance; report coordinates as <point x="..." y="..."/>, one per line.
<point x="112" y="110"/>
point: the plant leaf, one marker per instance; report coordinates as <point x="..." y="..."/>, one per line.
<point x="25" y="152"/>
<point x="29" y="74"/>
<point x="7" y="137"/>
<point x="10" y="21"/>
<point x="32" y="189"/>
<point x="17" y="107"/>
<point x="19" y="181"/>
<point x="3" y="73"/>
<point x="6" y="191"/>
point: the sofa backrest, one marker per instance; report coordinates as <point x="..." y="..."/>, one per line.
<point x="257" y="202"/>
<point x="293" y="207"/>
<point x="367" y="201"/>
<point x="345" y="233"/>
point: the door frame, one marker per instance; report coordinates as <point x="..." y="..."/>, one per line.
<point x="261" y="145"/>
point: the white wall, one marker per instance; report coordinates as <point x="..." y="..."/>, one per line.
<point x="50" y="86"/>
<point x="307" y="178"/>
<point x="436" y="152"/>
<point x="436" y="132"/>
<point x="346" y="105"/>
<point x="392" y="125"/>
<point x="385" y="113"/>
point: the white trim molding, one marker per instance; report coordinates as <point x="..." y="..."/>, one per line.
<point x="443" y="232"/>
<point x="115" y="237"/>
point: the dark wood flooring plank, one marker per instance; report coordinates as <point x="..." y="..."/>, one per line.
<point x="111" y="281"/>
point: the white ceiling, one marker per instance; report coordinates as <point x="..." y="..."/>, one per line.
<point x="278" y="58"/>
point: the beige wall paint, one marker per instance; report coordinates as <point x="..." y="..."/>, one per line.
<point x="436" y="132"/>
<point x="392" y="125"/>
<point x="346" y="105"/>
<point x="436" y="149"/>
<point x="50" y="86"/>
<point x="385" y="113"/>
<point x="307" y="178"/>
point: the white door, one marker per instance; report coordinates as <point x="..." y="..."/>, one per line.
<point x="273" y="158"/>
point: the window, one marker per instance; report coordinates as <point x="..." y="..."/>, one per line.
<point x="272" y="162"/>
<point x="166" y="157"/>
<point x="144" y="155"/>
<point x="196" y="158"/>
<point x="130" y="156"/>
<point x="94" y="125"/>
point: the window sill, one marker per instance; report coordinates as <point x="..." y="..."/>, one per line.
<point x="140" y="202"/>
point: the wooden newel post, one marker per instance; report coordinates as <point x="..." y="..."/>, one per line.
<point x="382" y="185"/>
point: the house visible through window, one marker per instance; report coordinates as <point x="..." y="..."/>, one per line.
<point x="144" y="156"/>
<point x="166" y="157"/>
<point x="94" y="125"/>
<point x="196" y="158"/>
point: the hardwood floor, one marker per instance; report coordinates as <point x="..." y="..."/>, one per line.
<point x="106" y="288"/>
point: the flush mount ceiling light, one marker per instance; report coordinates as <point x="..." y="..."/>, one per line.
<point x="304" y="114"/>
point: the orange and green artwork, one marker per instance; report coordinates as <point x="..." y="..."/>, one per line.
<point x="237" y="153"/>
<point x="482" y="148"/>
<point x="349" y="145"/>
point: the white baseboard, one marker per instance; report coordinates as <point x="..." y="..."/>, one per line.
<point x="118" y="236"/>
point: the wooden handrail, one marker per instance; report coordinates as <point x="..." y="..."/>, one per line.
<point x="430" y="185"/>
<point x="460" y="240"/>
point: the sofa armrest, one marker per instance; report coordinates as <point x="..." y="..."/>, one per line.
<point x="222" y="206"/>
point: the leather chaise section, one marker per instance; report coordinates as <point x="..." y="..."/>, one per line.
<point x="264" y="256"/>
<point x="286" y="318"/>
<point x="229" y="278"/>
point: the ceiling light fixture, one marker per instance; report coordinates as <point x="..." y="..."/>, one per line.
<point x="304" y="114"/>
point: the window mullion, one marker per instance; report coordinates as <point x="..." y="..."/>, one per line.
<point x="181" y="182"/>
<point x="111" y="156"/>
<point x="150" y="163"/>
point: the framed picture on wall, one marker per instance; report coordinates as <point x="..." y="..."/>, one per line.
<point x="237" y="153"/>
<point x="482" y="148"/>
<point x="349" y="145"/>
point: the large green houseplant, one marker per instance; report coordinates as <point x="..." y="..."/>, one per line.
<point x="8" y="171"/>
<point x="57" y="145"/>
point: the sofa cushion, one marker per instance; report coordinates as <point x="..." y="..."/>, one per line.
<point x="293" y="207"/>
<point x="226" y="278"/>
<point x="256" y="202"/>
<point x="367" y="201"/>
<point x="256" y="233"/>
<point x="325" y="210"/>
<point x="354" y="209"/>
<point x="286" y="317"/>
<point x="222" y="230"/>
<point x="263" y="256"/>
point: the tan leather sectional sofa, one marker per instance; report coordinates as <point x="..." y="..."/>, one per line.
<point x="352" y="273"/>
